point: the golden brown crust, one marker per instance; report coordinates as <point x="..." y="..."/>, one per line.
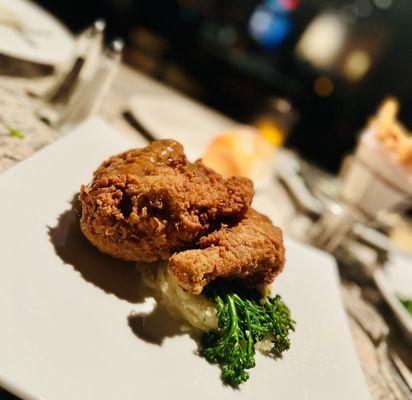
<point x="251" y="250"/>
<point x="144" y="203"/>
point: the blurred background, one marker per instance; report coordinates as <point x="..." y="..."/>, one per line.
<point x="332" y="61"/>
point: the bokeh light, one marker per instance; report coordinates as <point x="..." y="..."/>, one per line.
<point x="323" y="86"/>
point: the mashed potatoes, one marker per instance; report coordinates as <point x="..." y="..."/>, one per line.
<point x="196" y="310"/>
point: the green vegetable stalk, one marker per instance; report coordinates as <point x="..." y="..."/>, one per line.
<point x="407" y="303"/>
<point x="244" y="318"/>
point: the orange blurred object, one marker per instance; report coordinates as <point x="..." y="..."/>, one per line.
<point x="391" y="133"/>
<point x="242" y="151"/>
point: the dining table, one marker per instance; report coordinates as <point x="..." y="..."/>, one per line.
<point x="19" y="112"/>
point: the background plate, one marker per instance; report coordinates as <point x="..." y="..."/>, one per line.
<point x="46" y="40"/>
<point x="72" y="325"/>
<point x="172" y="116"/>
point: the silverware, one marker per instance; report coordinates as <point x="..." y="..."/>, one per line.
<point x="396" y="374"/>
<point x="289" y="174"/>
<point x="137" y="126"/>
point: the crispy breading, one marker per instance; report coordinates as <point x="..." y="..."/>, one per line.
<point x="251" y="251"/>
<point x="145" y="203"/>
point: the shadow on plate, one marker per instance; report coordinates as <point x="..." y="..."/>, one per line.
<point x="155" y="326"/>
<point x="113" y="276"/>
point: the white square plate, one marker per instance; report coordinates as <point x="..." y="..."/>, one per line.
<point x="66" y="326"/>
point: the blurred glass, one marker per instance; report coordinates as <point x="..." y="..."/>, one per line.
<point x="376" y="178"/>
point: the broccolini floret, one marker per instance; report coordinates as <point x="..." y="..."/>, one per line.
<point x="245" y="318"/>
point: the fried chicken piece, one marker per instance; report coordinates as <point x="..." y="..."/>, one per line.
<point x="251" y="250"/>
<point x="145" y="203"/>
